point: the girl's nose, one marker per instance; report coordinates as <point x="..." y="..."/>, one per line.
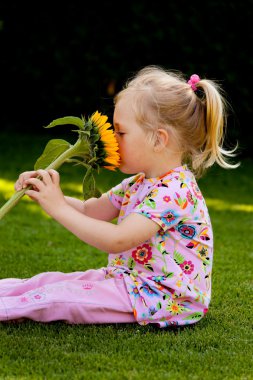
<point x="117" y="138"/>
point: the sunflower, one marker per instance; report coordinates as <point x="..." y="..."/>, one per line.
<point x="95" y="147"/>
<point x="108" y="149"/>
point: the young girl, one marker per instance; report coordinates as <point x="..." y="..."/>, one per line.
<point x="160" y="253"/>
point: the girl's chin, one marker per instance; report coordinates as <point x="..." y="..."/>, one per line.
<point x="126" y="170"/>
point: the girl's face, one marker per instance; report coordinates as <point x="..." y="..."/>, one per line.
<point x="134" y="147"/>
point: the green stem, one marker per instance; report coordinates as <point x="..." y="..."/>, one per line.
<point x="54" y="165"/>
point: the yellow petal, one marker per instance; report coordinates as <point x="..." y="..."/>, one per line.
<point x="108" y="139"/>
<point x="95" y="116"/>
<point x="104" y="127"/>
<point x="102" y="120"/>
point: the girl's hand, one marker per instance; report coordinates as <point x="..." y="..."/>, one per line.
<point x="20" y="183"/>
<point x="46" y="191"/>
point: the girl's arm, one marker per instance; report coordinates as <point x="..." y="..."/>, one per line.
<point x="98" y="208"/>
<point x="109" y="237"/>
<point x="106" y="236"/>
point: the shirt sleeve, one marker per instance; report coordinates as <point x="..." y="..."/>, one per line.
<point x="116" y="195"/>
<point x="166" y="206"/>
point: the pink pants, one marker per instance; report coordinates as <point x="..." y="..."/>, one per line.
<point x="78" y="297"/>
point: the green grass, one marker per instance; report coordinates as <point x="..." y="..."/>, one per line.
<point x="218" y="347"/>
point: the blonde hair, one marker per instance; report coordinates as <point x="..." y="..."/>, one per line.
<point x="162" y="98"/>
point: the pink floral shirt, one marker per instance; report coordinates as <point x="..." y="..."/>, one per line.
<point x="168" y="277"/>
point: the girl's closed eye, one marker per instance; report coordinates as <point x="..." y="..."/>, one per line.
<point x="118" y="133"/>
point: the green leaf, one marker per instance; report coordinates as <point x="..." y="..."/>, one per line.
<point x="95" y="137"/>
<point x="72" y="120"/>
<point x="53" y="149"/>
<point x="167" y="274"/>
<point x="120" y="193"/>
<point x="160" y="247"/>
<point x="179" y="259"/>
<point x="131" y="263"/>
<point x="196" y="315"/>
<point x="135" y="273"/>
<point x="149" y="267"/>
<point x="88" y="125"/>
<point x="150" y="203"/>
<point x="89" y="185"/>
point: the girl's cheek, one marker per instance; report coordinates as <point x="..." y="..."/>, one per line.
<point x="121" y="146"/>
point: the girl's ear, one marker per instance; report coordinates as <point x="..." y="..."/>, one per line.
<point x="161" y="140"/>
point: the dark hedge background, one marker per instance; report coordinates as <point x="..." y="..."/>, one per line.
<point x="70" y="59"/>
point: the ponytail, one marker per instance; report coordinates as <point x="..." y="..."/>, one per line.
<point x="215" y="123"/>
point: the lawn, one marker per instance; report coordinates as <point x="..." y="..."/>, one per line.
<point x="218" y="347"/>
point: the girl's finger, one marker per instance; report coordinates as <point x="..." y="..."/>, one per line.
<point x="35" y="182"/>
<point x="18" y="186"/>
<point x="21" y="179"/>
<point x="54" y="176"/>
<point x="34" y="195"/>
<point x="45" y="176"/>
<point x="25" y="175"/>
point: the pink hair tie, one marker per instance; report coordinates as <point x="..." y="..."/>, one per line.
<point x="194" y="79"/>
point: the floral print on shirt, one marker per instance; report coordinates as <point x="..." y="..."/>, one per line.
<point x="168" y="277"/>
